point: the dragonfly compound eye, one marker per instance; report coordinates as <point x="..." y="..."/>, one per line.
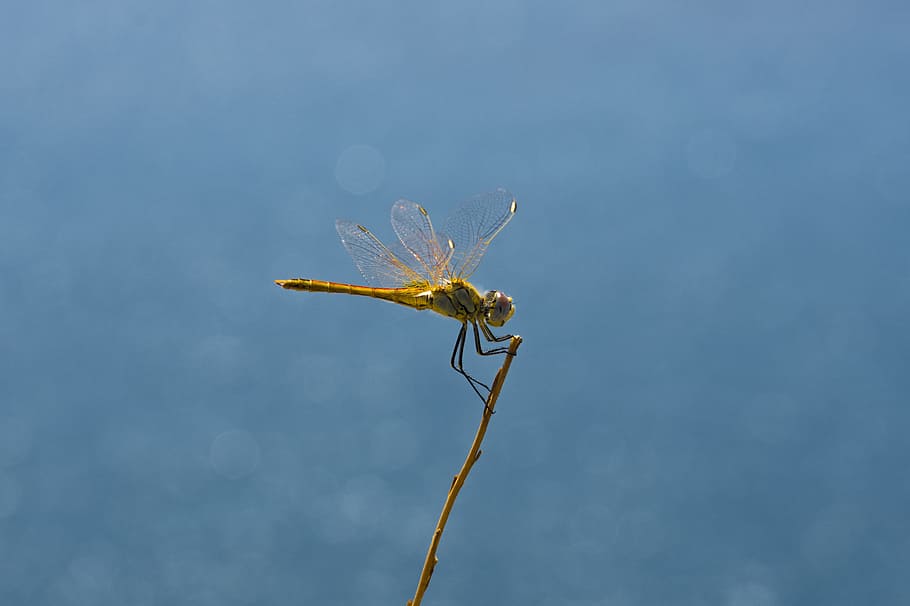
<point x="500" y="308"/>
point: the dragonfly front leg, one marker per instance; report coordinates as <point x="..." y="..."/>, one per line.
<point x="459" y="368"/>
<point x="490" y="337"/>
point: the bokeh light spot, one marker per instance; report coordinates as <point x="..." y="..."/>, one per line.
<point x="751" y="594"/>
<point x="360" y="169"/>
<point x="234" y="454"/>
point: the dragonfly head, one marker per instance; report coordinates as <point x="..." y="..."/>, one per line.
<point x="497" y="307"/>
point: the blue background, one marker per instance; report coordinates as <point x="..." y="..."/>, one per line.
<point x="709" y="262"/>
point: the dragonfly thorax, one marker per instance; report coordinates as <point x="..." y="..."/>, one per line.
<point x="461" y="300"/>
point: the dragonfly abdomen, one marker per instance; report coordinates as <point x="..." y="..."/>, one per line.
<point x="403" y="296"/>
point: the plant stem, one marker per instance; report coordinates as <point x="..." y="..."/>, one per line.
<point x="473" y="454"/>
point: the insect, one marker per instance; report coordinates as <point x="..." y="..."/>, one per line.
<point x="430" y="270"/>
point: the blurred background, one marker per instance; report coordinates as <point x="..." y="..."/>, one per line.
<point x="709" y="262"/>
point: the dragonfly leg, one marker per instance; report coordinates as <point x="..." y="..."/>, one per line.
<point x="490" y="337"/>
<point x="459" y="368"/>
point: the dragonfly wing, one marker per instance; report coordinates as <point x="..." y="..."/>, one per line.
<point x="414" y="229"/>
<point x="379" y="265"/>
<point x="474" y="225"/>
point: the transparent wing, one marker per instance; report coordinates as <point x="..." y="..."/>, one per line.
<point x="431" y="252"/>
<point x="474" y="225"/>
<point x="379" y="265"/>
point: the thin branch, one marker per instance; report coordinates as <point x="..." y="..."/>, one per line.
<point x="473" y="454"/>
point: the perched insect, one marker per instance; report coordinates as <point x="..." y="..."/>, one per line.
<point x="430" y="270"/>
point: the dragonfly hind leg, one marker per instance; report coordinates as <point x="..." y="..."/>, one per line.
<point x="458" y="352"/>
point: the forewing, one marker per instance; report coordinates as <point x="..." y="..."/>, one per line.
<point x="474" y="225"/>
<point x="414" y="229"/>
<point x="379" y="265"/>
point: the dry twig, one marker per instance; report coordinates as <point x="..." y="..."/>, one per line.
<point x="473" y="454"/>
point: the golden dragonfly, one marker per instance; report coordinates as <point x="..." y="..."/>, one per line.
<point x="430" y="270"/>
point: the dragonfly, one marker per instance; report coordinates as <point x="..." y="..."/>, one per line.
<point x="427" y="269"/>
